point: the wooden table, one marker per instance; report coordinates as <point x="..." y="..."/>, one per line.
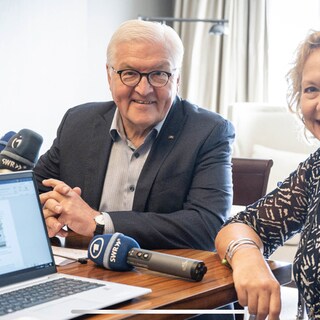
<point x="169" y="292"/>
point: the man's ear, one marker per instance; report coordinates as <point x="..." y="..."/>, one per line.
<point x="178" y="82"/>
<point x="108" y="73"/>
<point x="109" y="77"/>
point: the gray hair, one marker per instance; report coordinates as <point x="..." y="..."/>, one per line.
<point x="148" y="32"/>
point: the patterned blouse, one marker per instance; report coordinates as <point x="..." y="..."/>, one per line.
<point x="291" y="208"/>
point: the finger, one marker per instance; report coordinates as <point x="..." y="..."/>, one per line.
<point x="62" y="233"/>
<point x="51" y="208"/>
<point x="275" y="305"/>
<point x="252" y="303"/>
<point x="269" y="301"/>
<point x="62" y="219"/>
<point x="263" y="305"/>
<point x="44" y="197"/>
<point x="53" y="226"/>
<point x="54" y="195"/>
<point x="242" y="296"/>
<point x="57" y="185"/>
<point x="51" y="182"/>
<point x="77" y="190"/>
<point x="63" y="189"/>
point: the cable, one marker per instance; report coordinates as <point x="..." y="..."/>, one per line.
<point x="80" y="260"/>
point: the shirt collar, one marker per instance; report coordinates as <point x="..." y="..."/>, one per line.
<point x="117" y="131"/>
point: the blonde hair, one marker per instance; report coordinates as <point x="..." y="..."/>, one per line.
<point x="147" y="32"/>
<point x="294" y="76"/>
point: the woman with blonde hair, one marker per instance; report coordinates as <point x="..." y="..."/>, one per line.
<point x="255" y="233"/>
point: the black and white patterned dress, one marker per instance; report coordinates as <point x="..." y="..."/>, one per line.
<point x="291" y="208"/>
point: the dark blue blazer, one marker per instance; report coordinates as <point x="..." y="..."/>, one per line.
<point x="184" y="191"/>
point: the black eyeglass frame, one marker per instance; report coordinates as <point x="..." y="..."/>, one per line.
<point x="143" y="74"/>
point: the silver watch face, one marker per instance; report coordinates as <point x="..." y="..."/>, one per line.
<point x="99" y="219"/>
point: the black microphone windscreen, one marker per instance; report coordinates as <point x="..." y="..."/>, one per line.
<point x="5" y="138"/>
<point x="21" y="151"/>
<point x="111" y="250"/>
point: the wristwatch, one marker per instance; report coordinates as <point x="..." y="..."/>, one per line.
<point x="100" y="223"/>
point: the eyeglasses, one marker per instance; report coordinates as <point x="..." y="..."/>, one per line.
<point x="131" y="78"/>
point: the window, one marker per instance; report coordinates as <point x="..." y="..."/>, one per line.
<point x="289" y="21"/>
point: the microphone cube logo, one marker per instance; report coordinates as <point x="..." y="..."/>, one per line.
<point x="96" y="247"/>
<point x="16" y="142"/>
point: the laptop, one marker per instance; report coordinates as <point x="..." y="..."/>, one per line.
<point x="26" y="261"/>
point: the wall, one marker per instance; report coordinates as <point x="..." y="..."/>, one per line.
<point x="52" y="56"/>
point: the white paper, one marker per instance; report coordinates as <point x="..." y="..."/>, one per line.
<point x="73" y="254"/>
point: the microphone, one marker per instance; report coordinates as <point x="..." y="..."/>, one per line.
<point x="5" y="138"/>
<point x="121" y="253"/>
<point x="21" y="151"/>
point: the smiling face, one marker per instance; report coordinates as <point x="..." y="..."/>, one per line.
<point x="310" y="93"/>
<point x="142" y="106"/>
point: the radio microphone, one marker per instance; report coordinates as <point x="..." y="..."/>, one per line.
<point x="5" y="138"/>
<point x="21" y="151"/>
<point x="121" y="253"/>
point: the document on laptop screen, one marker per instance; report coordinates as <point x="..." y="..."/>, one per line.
<point x="23" y="238"/>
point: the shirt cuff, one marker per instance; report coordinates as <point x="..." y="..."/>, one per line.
<point x="108" y="224"/>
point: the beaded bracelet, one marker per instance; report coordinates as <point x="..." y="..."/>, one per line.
<point x="234" y="245"/>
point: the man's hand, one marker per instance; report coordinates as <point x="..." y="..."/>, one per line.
<point x="64" y="206"/>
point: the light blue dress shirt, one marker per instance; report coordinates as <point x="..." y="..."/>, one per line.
<point x="124" y="168"/>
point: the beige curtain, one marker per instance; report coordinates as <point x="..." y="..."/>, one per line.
<point x="221" y="70"/>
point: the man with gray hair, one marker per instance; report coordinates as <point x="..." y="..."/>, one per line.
<point x="147" y="164"/>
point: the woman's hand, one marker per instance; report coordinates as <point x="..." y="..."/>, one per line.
<point x="256" y="286"/>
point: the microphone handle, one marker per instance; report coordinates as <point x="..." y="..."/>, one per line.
<point x="167" y="263"/>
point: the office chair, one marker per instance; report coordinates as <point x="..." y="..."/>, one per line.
<point x="250" y="179"/>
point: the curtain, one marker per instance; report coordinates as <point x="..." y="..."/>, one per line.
<point x="221" y="70"/>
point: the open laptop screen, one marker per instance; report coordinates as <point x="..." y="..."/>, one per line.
<point x="25" y="250"/>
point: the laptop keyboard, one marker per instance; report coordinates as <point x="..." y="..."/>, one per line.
<point x="40" y="293"/>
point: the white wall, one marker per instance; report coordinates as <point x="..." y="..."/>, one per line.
<point x="52" y="57"/>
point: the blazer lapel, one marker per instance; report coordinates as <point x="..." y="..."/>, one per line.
<point x="163" y="145"/>
<point x="98" y="155"/>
